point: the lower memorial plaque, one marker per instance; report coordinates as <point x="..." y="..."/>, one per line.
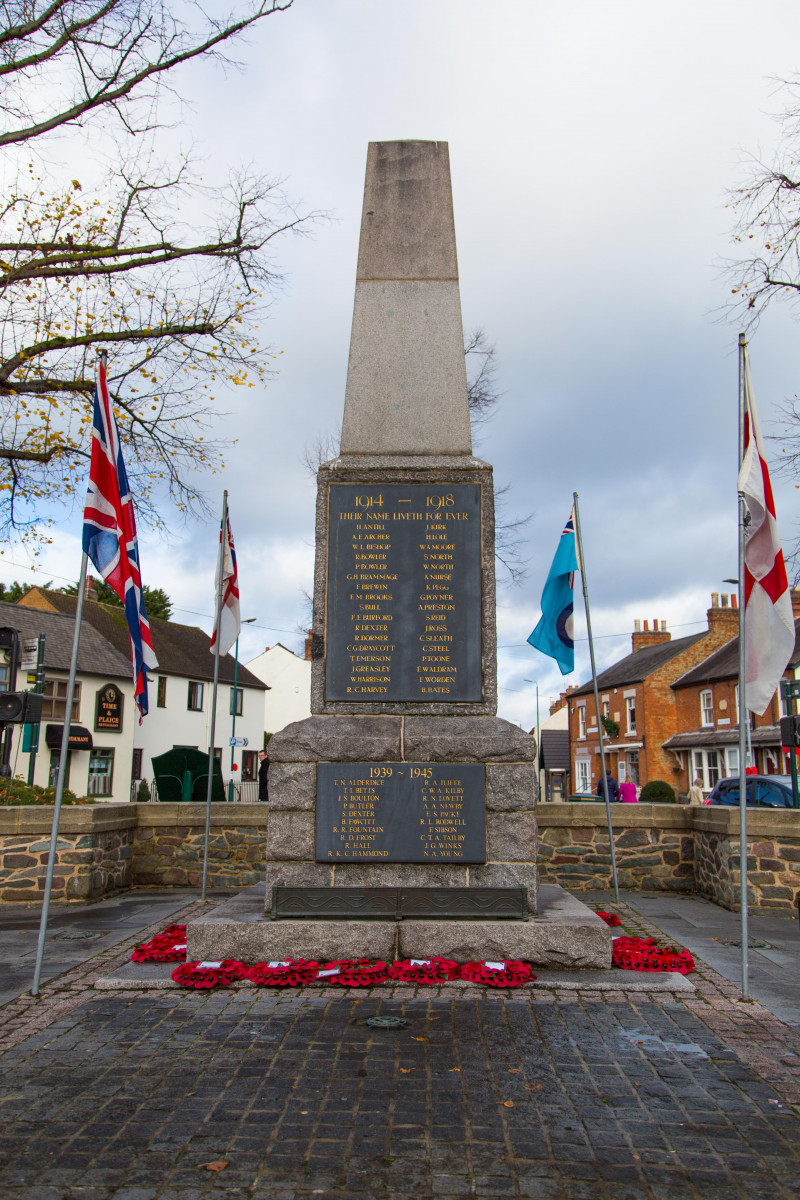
<point x="401" y="812"/>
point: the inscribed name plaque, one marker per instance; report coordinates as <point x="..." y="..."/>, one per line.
<point x="404" y="593"/>
<point x="401" y="812"/>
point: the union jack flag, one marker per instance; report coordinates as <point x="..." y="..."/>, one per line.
<point x="109" y="534"/>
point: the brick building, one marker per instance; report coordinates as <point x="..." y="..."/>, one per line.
<point x="706" y="742"/>
<point x="639" y="702"/>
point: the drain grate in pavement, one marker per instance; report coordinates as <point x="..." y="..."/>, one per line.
<point x="386" y="1022"/>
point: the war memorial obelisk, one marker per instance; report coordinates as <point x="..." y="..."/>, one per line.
<point x="404" y="787"/>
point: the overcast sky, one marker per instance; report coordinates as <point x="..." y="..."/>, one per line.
<point x="592" y="147"/>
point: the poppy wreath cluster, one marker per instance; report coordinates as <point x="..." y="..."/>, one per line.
<point x="609" y="918"/>
<point x="424" y="970"/>
<point x="354" y="972"/>
<point x="210" y="974"/>
<point x="167" y="946"/>
<point x="289" y="973"/>
<point x="510" y="973"/>
<point x="645" y="954"/>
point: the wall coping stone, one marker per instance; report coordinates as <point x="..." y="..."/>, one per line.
<point x="155" y="816"/>
<point x="761" y="822"/>
<point x="90" y="818"/>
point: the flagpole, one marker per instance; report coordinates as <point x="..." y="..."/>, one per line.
<point x="744" y="517"/>
<point x="582" y="567"/>
<point x="62" y="768"/>
<point x="217" y="621"/>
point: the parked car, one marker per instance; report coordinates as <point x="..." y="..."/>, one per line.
<point x="763" y="791"/>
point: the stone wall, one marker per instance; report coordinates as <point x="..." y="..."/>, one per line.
<point x="671" y="847"/>
<point x="773" y="857"/>
<point x="168" y="844"/>
<point x="660" y="847"/>
<point x="94" y="852"/>
<point x="654" y="846"/>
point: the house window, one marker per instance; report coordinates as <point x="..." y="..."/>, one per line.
<point x="731" y="760"/>
<point x="195" y="703"/>
<point x="161" y="700"/>
<point x="633" y="766"/>
<point x="583" y="775"/>
<point x="235" y="705"/>
<point x="706" y="707"/>
<point x="630" y="712"/>
<point x="605" y="708"/>
<point x="582" y="721"/>
<point x="54" y="700"/>
<point x="707" y="768"/>
<point x="101" y="772"/>
<point x="136" y="765"/>
<point x="4" y="672"/>
<point x="249" y="764"/>
<point x="55" y="757"/>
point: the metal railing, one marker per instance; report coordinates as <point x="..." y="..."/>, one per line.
<point x="245" y="791"/>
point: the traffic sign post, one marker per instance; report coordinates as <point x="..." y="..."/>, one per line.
<point x="790" y="691"/>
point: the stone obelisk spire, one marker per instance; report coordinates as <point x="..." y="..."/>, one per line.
<point x="406" y="379"/>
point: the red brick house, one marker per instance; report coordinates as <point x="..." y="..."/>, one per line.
<point x="637" y="696"/>
<point x="706" y="742"/>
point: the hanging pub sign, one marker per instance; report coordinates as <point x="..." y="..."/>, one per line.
<point x="108" y="709"/>
<point x="79" y="738"/>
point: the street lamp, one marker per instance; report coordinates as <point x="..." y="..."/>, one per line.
<point x="246" y="621"/>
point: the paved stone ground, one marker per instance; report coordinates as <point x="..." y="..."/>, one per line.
<point x="536" y="1093"/>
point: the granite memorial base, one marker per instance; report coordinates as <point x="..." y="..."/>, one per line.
<point x="564" y="933"/>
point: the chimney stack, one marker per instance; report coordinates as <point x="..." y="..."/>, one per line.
<point x="724" y="614"/>
<point x="308" y="647"/>
<point x="643" y="637"/>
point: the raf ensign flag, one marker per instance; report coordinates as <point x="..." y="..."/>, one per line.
<point x="553" y="634"/>
<point x="109" y="534"/>
<point x="229" y="621"/>
<point x="768" y="620"/>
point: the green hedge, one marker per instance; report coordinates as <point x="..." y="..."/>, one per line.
<point x="657" y="792"/>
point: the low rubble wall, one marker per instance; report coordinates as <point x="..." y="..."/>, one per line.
<point x="105" y="848"/>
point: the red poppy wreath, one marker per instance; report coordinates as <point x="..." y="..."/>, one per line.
<point x="287" y="973"/>
<point x="424" y="970"/>
<point x="210" y="974"/>
<point x="354" y="972"/>
<point x="510" y="973"/>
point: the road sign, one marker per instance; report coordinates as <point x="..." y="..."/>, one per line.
<point x="30" y="654"/>
<point x="238" y="742"/>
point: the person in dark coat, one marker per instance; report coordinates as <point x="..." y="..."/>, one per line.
<point x="613" y="788"/>
<point x="263" y="771"/>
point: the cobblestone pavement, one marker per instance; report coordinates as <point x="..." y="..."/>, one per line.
<point x="535" y="1093"/>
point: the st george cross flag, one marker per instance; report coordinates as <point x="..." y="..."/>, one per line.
<point x="768" y="620"/>
<point x="554" y="635"/>
<point x="228" y="617"/>
<point x="109" y="534"/>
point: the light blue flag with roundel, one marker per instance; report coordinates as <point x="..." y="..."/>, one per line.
<point x="554" y="633"/>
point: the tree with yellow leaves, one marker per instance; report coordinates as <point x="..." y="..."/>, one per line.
<point x="168" y="276"/>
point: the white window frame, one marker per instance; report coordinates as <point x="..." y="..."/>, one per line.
<point x="630" y="712"/>
<point x="583" y="775"/>
<point x="581" y="722"/>
<point x="706" y="707"/>
<point x="731" y="761"/>
<point x="706" y="765"/>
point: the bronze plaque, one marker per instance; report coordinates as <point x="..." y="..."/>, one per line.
<point x="403" y="619"/>
<point x="401" y="812"/>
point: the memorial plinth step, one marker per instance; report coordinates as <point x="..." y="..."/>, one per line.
<point x="565" y="933"/>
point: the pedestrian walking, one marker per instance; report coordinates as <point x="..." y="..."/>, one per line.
<point x="627" y="792"/>
<point x="696" y="792"/>
<point x="613" y="788"/>
<point x="263" y="772"/>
